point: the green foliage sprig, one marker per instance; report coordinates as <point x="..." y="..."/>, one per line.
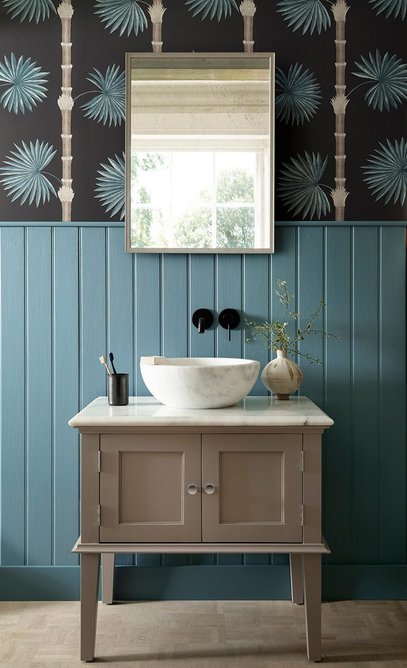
<point x="276" y="335"/>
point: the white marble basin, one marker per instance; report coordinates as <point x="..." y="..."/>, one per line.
<point x="199" y="382"/>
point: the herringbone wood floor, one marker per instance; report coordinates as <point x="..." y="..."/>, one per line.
<point x="209" y="634"/>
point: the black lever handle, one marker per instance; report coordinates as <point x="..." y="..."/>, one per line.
<point x="229" y="319"/>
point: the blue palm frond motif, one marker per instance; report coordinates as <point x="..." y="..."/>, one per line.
<point x="297" y="95"/>
<point x="300" y="186"/>
<point x="219" y="8"/>
<point x="108" y="104"/>
<point x="124" y="15"/>
<point x="386" y="173"/>
<point x="310" y="15"/>
<point x="389" y="77"/>
<point x="394" y="7"/>
<point x="110" y="186"/>
<point x="25" y="84"/>
<point x="29" y="9"/>
<point x="23" y="174"/>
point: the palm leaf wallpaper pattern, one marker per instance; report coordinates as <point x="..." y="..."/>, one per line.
<point x="386" y="173"/>
<point x="211" y="8"/>
<point x="110" y="186"/>
<point x="298" y="95"/>
<point x="310" y="15"/>
<point x="388" y="74"/>
<point x="126" y="16"/>
<point x="317" y="173"/>
<point x="37" y="10"/>
<point x="300" y="186"/>
<point x="395" y="8"/>
<point x="108" y="104"/>
<point x="23" y="174"/>
<point x="24" y="82"/>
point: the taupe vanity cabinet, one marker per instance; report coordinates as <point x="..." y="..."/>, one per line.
<point x="193" y="487"/>
<point x="239" y="479"/>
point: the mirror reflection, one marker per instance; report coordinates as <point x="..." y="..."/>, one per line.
<point x="199" y="152"/>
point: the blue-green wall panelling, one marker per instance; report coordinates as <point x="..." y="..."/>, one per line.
<point x="202" y="295"/>
<point x="284" y="268"/>
<point x="69" y="294"/>
<point x="39" y="455"/>
<point x="13" y="396"/>
<point x="229" y="278"/>
<point x="392" y="416"/>
<point x="258" y="582"/>
<point x="337" y="452"/>
<point x="93" y="311"/>
<point x="256" y="306"/>
<point x="147" y="311"/>
<point x="65" y="391"/>
<point x="310" y="291"/>
<point x="365" y="396"/>
<point x="174" y="315"/>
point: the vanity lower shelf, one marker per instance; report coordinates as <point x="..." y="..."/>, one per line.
<point x="200" y="548"/>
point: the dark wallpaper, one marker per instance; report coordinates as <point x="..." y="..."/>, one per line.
<point x="371" y="118"/>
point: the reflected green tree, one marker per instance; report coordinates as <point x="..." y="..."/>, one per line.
<point x="235" y="224"/>
<point x="141" y="231"/>
<point x="194" y="229"/>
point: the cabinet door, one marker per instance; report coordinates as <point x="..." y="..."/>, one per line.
<point x="143" y="488"/>
<point x="251" y="488"/>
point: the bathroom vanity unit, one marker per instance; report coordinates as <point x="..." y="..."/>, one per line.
<point x="246" y="479"/>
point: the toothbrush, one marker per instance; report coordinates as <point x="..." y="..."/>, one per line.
<point x="102" y="360"/>
<point x="111" y="358"/>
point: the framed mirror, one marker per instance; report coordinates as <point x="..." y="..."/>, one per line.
<point x="200" y="153"/>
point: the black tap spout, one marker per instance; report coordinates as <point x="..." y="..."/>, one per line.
<point x="202" y="320"/>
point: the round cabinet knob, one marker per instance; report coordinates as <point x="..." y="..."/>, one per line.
<point x="192" y="489"/>
<point x="209" y="488"/>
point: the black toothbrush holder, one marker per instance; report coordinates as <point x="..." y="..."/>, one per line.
<point x="118" y="389"/>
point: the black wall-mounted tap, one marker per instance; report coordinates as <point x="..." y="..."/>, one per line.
<point x="202" y="319"/>
<point x="229" y="319"/>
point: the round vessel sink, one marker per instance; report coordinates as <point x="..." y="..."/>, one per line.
<point x="199" y="382"/>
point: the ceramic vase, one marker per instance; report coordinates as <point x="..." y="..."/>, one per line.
<point x="282" y="376"/>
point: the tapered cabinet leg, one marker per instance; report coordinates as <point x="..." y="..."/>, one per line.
<point x="296" y="577"/>
<point x="312" y="599"/>
<point x="89" y="604"/>
<point x="107" y="577"/>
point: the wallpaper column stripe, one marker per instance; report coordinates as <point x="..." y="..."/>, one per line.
<point x="69" y="294"/>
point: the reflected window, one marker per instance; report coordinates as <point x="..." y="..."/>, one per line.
<point x="197" y="198"/>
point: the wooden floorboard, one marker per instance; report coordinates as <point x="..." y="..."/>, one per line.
<point x="208" y="634"/>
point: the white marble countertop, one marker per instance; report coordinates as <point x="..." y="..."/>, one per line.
<point x="250" y="412"/>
